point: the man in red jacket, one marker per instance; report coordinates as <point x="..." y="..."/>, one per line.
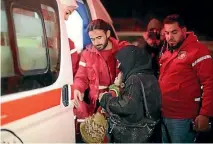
<point x="97" y="67"/>
<point x="184" y="68"/>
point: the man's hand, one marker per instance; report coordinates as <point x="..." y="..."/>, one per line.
<point x="77" y="96"/>
<point x="150" y="41"/>
<point x="147" y="39"/>
<point x="201" y="123"/>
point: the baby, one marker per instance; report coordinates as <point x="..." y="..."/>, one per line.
<point x="116" y="87"/>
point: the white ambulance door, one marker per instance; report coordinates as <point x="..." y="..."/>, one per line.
<point x="35" y="65"/>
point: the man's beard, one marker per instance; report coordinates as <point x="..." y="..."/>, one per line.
<point x="101" y="47"/>
<point x="174" y="47"/>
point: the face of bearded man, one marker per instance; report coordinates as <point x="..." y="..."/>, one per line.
<point x="99" y="38"/>
<point x="175" y="35"/>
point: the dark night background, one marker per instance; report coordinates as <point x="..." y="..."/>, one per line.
<point x="198" y="15"/>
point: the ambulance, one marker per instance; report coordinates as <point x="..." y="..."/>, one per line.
<point x="36" y="70"/>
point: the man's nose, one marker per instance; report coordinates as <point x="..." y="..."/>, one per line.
<point x="170" y="37"/>
<point x="96" y="42"/>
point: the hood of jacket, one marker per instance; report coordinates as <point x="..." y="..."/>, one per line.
<point x="191" y="38"/>
<point x="134" y="60"/>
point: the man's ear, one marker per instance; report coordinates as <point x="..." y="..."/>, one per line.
<point x="108" y="33"/>
<point x="184" y="29"/>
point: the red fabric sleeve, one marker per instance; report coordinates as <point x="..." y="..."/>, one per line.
<point x="203" y="65"/>
<point x="81" y="81"/>
<point x="74" y="57"/>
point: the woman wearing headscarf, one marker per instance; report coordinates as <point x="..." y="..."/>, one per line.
<point x="135" y="113"/>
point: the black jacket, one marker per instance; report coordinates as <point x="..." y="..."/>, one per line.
<point x="129" y="105"/>
<point x="136" y="68"/>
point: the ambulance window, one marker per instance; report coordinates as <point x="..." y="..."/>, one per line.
<point x="52" y="31"/>
<point x="30" y="40"/>
<point x="7" y="68"/>
<point x="32" y="44"/>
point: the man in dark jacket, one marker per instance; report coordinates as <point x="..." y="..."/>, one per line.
<point x="141" y="88"/>
<point x="154" y="41"/>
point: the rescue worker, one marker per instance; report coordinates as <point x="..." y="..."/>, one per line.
<point x="97" y="67"/>
<point x="184" y="68"/>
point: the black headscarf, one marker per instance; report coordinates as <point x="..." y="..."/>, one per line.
<point x="134" y="60"/>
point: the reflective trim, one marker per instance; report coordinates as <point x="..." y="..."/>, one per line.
<point x="80" y="120"/>
<point x="197" y="99"/>
<point x="73" y="50"/>
<point x="102" y="87"/>
<point x="201" y="59"/>
<point x="82" y="64"/>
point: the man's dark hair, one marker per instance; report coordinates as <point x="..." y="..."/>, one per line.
<point x="99" y="24"/>
<point x="170" y="19"/>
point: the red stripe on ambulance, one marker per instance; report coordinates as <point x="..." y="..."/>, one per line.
<point x="20" y="108"/>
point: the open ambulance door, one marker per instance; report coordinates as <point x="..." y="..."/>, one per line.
<point x="35" y="65"/>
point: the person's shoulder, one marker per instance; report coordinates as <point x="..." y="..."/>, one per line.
<point x="133" y="79"/>
<point x="199" y="48"/>
<point x="193" y="45"/>
<point x="85" y="52"/>
<point x="123" y="43"/>
<point x="119" y="43"/>
<point x="88" y="48"/>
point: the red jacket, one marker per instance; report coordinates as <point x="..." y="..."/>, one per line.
<point x="74" y="57"/>
<point x="90" y="66"/>
<point x="182" y="73"/>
